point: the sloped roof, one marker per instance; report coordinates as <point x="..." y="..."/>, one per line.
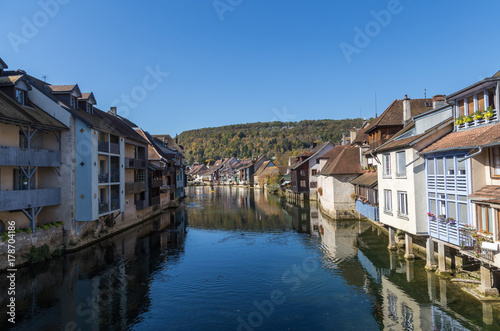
<point x="262" y="167"/>
<point x="13" y="112"/>
<point x="89" y="97"/>
<point x="361" y="137"/>
<point x="3" y="65"/>
<point x="346" y="162"/>
<point x="368" y="179"/>
<point x="122" y="126"/>
<point x="489" y="193"/>
<point x="170" y="142"/>
<point x="333" y="153"/>
<point x="63" y="88"/>
<point x="467" y="139"/>
<point x="312" y="153"/>
<point x="393" y="115"/>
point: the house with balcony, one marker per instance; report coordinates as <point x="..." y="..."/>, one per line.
<point x="401" y="174"/>
<point x="180" y="163"/>
<point x="366" y="195"/>
<point x="462" y="172"/>
<point x="30" y="159"/>
<point x="338" y="167"/>
<point x="304" y="169"/>
<point x="136" y="175"/>
<point x="95" y="176"/>
<point x="162" y="161"/>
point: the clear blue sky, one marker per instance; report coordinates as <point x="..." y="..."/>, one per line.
<point x="251" y="60"/>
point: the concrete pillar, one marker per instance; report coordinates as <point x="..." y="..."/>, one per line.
<point x="486" y="287"/>
<point x="431" y="260"/>
<point x="409" y="247"/>
<point x="442" y="259"/>
<point x="392" y="239"/>
<point x="442" y="292"/>
<point x="410" y="270"/>
<point x="393" y="259"/>
<point x="431" y="285"/>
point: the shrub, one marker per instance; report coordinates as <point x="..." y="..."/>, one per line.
<point x="39" y="254"/>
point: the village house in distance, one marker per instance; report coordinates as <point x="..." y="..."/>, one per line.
<point x="72" y="173"/>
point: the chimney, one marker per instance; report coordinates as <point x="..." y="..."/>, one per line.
<point x="353" y="134"/>
<point x="438" y="101"/>
<point x="112" y="111"/>
<point x="406" y="110"/>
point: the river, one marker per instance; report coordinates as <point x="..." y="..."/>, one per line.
<point x="240" y="259"/>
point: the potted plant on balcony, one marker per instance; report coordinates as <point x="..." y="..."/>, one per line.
<point x="450" y="220"/>
<point x="468" y="120"/>
<point x="488" y="114"/>
<point x="431" y="217"/>
<point x="459" y="120"/>
<point x="441" y="218"/>
<point x="478" y="115"/>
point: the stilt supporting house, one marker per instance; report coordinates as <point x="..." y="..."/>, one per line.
<point x="392" y="239"/>
<point x="409" y="247"/>
<point x="431" y="261"/>
<point x="486" y="286"/>
<point x="442" y="260"/>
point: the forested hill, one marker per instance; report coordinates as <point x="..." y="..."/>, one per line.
<point x="270" y="138"/>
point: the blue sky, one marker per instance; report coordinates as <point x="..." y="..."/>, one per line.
<point x="241" y="61"/>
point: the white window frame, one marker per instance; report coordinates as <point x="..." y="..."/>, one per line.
<point x="388" y="201"/>
<point x="386" y="159"/>
<point x="402" y="204"/>
<point x="398" y="174"/>
<point x="21" y="96"/>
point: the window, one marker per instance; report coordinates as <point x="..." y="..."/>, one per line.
<point x="402" y="204"/>
<point x="431" y="166"/>
<point x="450" y="166"/>
<point x="302" y="183"/>
<point x="401" y="164"/>
<point x="141" y="175"/>
<point x="314" y="172"/>
<point x="461" y="166"/>
<point x="21" y="96"/>
<point x="302" y="172"/>
<point x="314" y="184"/>
<point x="485" y="218"/>
<point x="74" y="102"/>
<point x="89" y="108"/>
<point x="387" y="165"/>
<point x="388" y="200"/>
<point x="491" y="97"/>
<point x="495" y="161"/>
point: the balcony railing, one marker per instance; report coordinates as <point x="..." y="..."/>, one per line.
<point x="103" y="146"/>
<point x="135" y="187"/>
<point x="114" y="148"/>
<point x="13" y="156"/>
<point x="155" y="201"/>
<point x="21" y="199"/>
<point x="448" y="232"/>
<point x="480" y="122"/>
<point x="131" y="163"/>
<point x="115" y="204"/>
<point x="115" y="176"/>
<point x="103" y="207"/>
<point x="368" y="211"/>
<point x="103" y="178"/>
<point x="156" y="182"/>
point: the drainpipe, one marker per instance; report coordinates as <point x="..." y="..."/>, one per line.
<point x="471" y="155"/>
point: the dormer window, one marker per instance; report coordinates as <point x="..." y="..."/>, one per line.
<point x="74" y="102"/>
<point x="89" y="108"/>
<point x="21" y="96"/>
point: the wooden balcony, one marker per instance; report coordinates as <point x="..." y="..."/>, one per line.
<point x="476" y="123"/>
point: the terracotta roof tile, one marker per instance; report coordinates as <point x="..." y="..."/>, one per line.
<point x="467" y="139"/>
<point x="490" y="193"/>
<point x="346" y="162"/>
<point x="368" y="179"/>
<point x="60" y="88"/>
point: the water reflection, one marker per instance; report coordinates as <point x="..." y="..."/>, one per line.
<point x="102" y="287"/>
<point x="241" y="244"/>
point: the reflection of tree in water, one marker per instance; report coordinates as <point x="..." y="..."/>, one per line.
<point x="233" y="208"/>
<point x="104" y="285"/>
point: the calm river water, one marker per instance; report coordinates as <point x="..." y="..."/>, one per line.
<point x="239" y="259"/>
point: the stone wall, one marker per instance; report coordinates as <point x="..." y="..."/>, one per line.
<point x="53" y="237"/>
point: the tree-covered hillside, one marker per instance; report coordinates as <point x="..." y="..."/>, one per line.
<point x="253" y="139"/>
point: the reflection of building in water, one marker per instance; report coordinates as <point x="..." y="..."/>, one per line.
<point x="101" y="286"/>
<point x="399" y="303"/>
